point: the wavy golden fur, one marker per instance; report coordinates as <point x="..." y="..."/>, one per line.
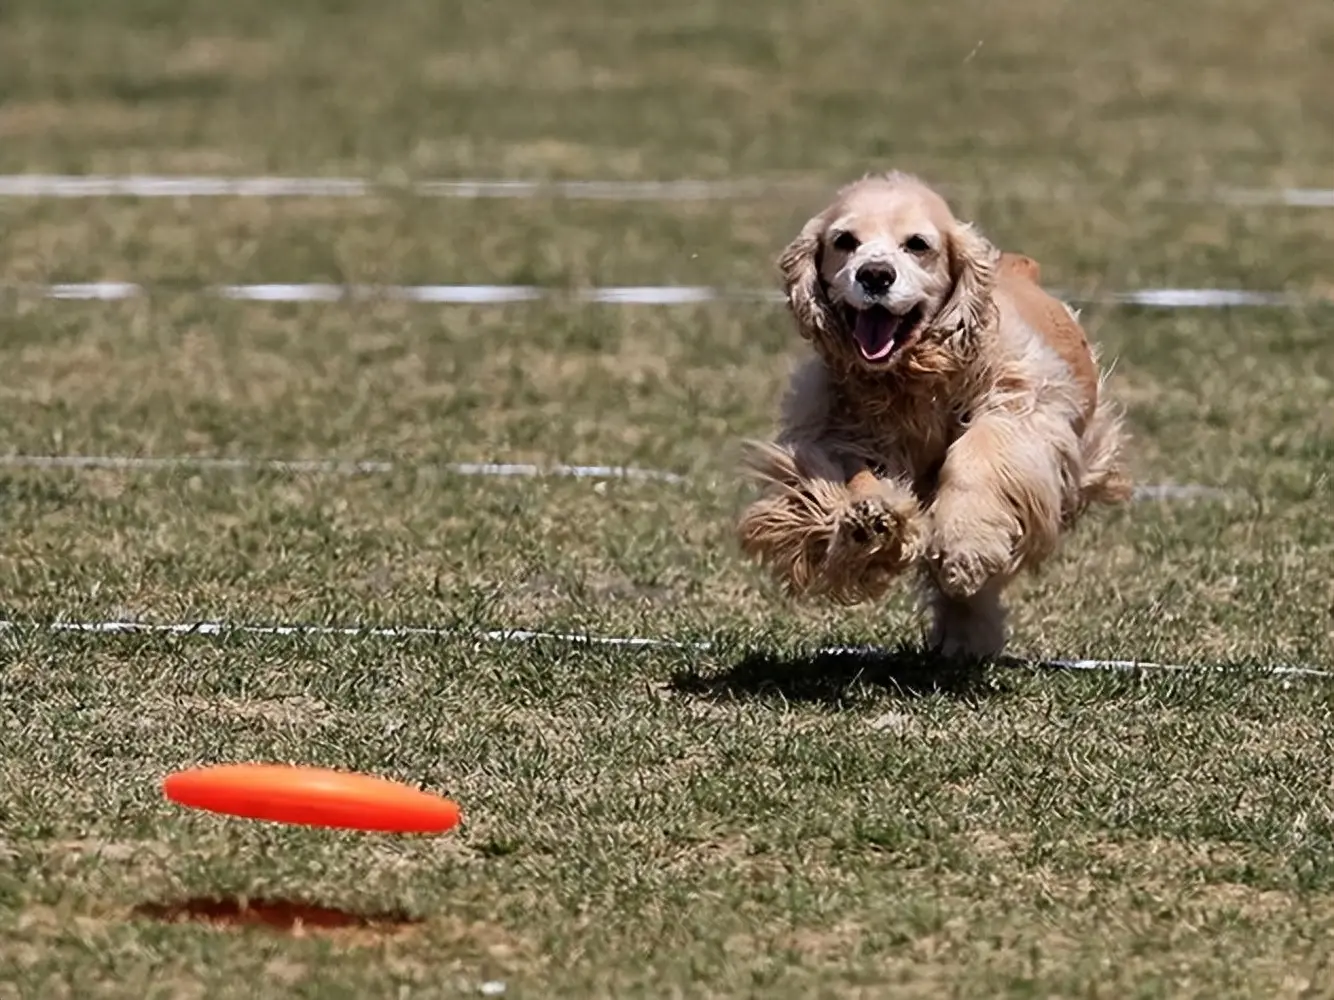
<point x="951" y="420"/>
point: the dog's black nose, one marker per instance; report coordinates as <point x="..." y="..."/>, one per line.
<point x="875" y="279"/>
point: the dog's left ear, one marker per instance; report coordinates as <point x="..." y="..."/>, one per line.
<point x="974" y="262"/>
<point x="799" y="264"/>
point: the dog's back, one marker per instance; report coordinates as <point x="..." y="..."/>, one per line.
<point x="1018" y="280"/>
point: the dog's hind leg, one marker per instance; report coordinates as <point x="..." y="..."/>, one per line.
<point x="967" y="628"/>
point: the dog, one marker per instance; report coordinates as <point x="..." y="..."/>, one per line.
<point x="952" y="420"/>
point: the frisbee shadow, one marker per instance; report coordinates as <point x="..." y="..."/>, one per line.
<point x="283" y="915"/>
<point x="830" y="677"/>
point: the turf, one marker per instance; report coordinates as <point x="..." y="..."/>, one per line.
<point x="740" y="815"/>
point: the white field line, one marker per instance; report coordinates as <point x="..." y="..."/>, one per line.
<point x="1183" y="491"/>
<point x="348" y="631"/>
<point x="160" y="186"/>
<point x="216" y="628"/>
<point x="355" y="467"/>
<point x="332" y="466"/>
<point x="656" y="295"/>
<point x="1130" y="666"/>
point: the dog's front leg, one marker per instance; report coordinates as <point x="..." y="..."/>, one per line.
<point x="998" y="507"/>
<point x="1000" y="497"/>
<point x="827" y="524"/>
<point x="882" y="516"/>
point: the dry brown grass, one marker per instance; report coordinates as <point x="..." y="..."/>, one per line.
<point x="743" y="820"/>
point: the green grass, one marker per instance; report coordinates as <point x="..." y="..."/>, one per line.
<point x="746" y="819"/>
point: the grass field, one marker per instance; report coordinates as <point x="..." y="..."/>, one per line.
<point x="746" y="819"/>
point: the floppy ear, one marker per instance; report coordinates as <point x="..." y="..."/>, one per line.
<point x="800" y="267"/>
<point x="974" y="262"/>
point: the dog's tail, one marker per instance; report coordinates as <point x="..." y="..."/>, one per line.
<point x="1104" y="478"/>
<point x="770" y="465"/>
<point x="786" y="469"/>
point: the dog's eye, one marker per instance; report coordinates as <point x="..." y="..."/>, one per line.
<point x="916" y="244"/>
<point x="846" y="242"/>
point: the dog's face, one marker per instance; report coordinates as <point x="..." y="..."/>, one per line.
<point x="883" y="267"/>
<point x="885" y="263"/>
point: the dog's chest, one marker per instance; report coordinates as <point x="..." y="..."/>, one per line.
<point x="909" y="432"/>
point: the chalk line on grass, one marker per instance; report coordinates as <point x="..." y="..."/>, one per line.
<point x="218" y="628"/>
<point x="333" y="466"/>
<point x="1288" y="197"/>
<point x="659" y="295"/>
<point x="161" y="186"/>
<point x="1130" y="666"/>
<point x="517" y="635"/>
<point x="103" y="291"/>
<point x="646" y="295"/>
<point x="1192" y="298"/>
<point x="186" y="186"/>
<point x="1183" y="491"/>
<point x="370" y="467"/>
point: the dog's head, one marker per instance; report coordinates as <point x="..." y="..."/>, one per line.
<point x="885" y="270"/>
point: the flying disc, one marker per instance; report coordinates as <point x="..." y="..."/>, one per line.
<point x="313" y="796"/>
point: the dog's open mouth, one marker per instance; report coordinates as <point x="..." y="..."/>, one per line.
<point x="879" y="333"/>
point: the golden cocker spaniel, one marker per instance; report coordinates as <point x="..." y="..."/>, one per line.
<point x="951" y="420"/>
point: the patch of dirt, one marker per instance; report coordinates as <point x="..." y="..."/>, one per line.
<point x="235" y="58"/>
<point x="295" y="709"/>
<point x="31" y="119"/>
<point x="823" y="944"/>
<point x="297" y="918"/>
<point x="110" y="850"/>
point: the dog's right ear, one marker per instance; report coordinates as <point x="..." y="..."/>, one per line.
<point x="799" y="264"/>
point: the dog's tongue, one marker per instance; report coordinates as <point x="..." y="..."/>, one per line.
<point x="875" y="332"/>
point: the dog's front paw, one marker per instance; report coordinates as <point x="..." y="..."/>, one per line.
<point x="964" y="559"/>
<point x="876" y="536"/>
<point x="822" y="539"/>
<point x="962" y="573"/>
<point x="881" y="526"/>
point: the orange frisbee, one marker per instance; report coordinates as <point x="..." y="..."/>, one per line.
<point x="314" y="796"/>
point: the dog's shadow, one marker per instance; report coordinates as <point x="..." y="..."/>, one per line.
<point x="836" y="677"/>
